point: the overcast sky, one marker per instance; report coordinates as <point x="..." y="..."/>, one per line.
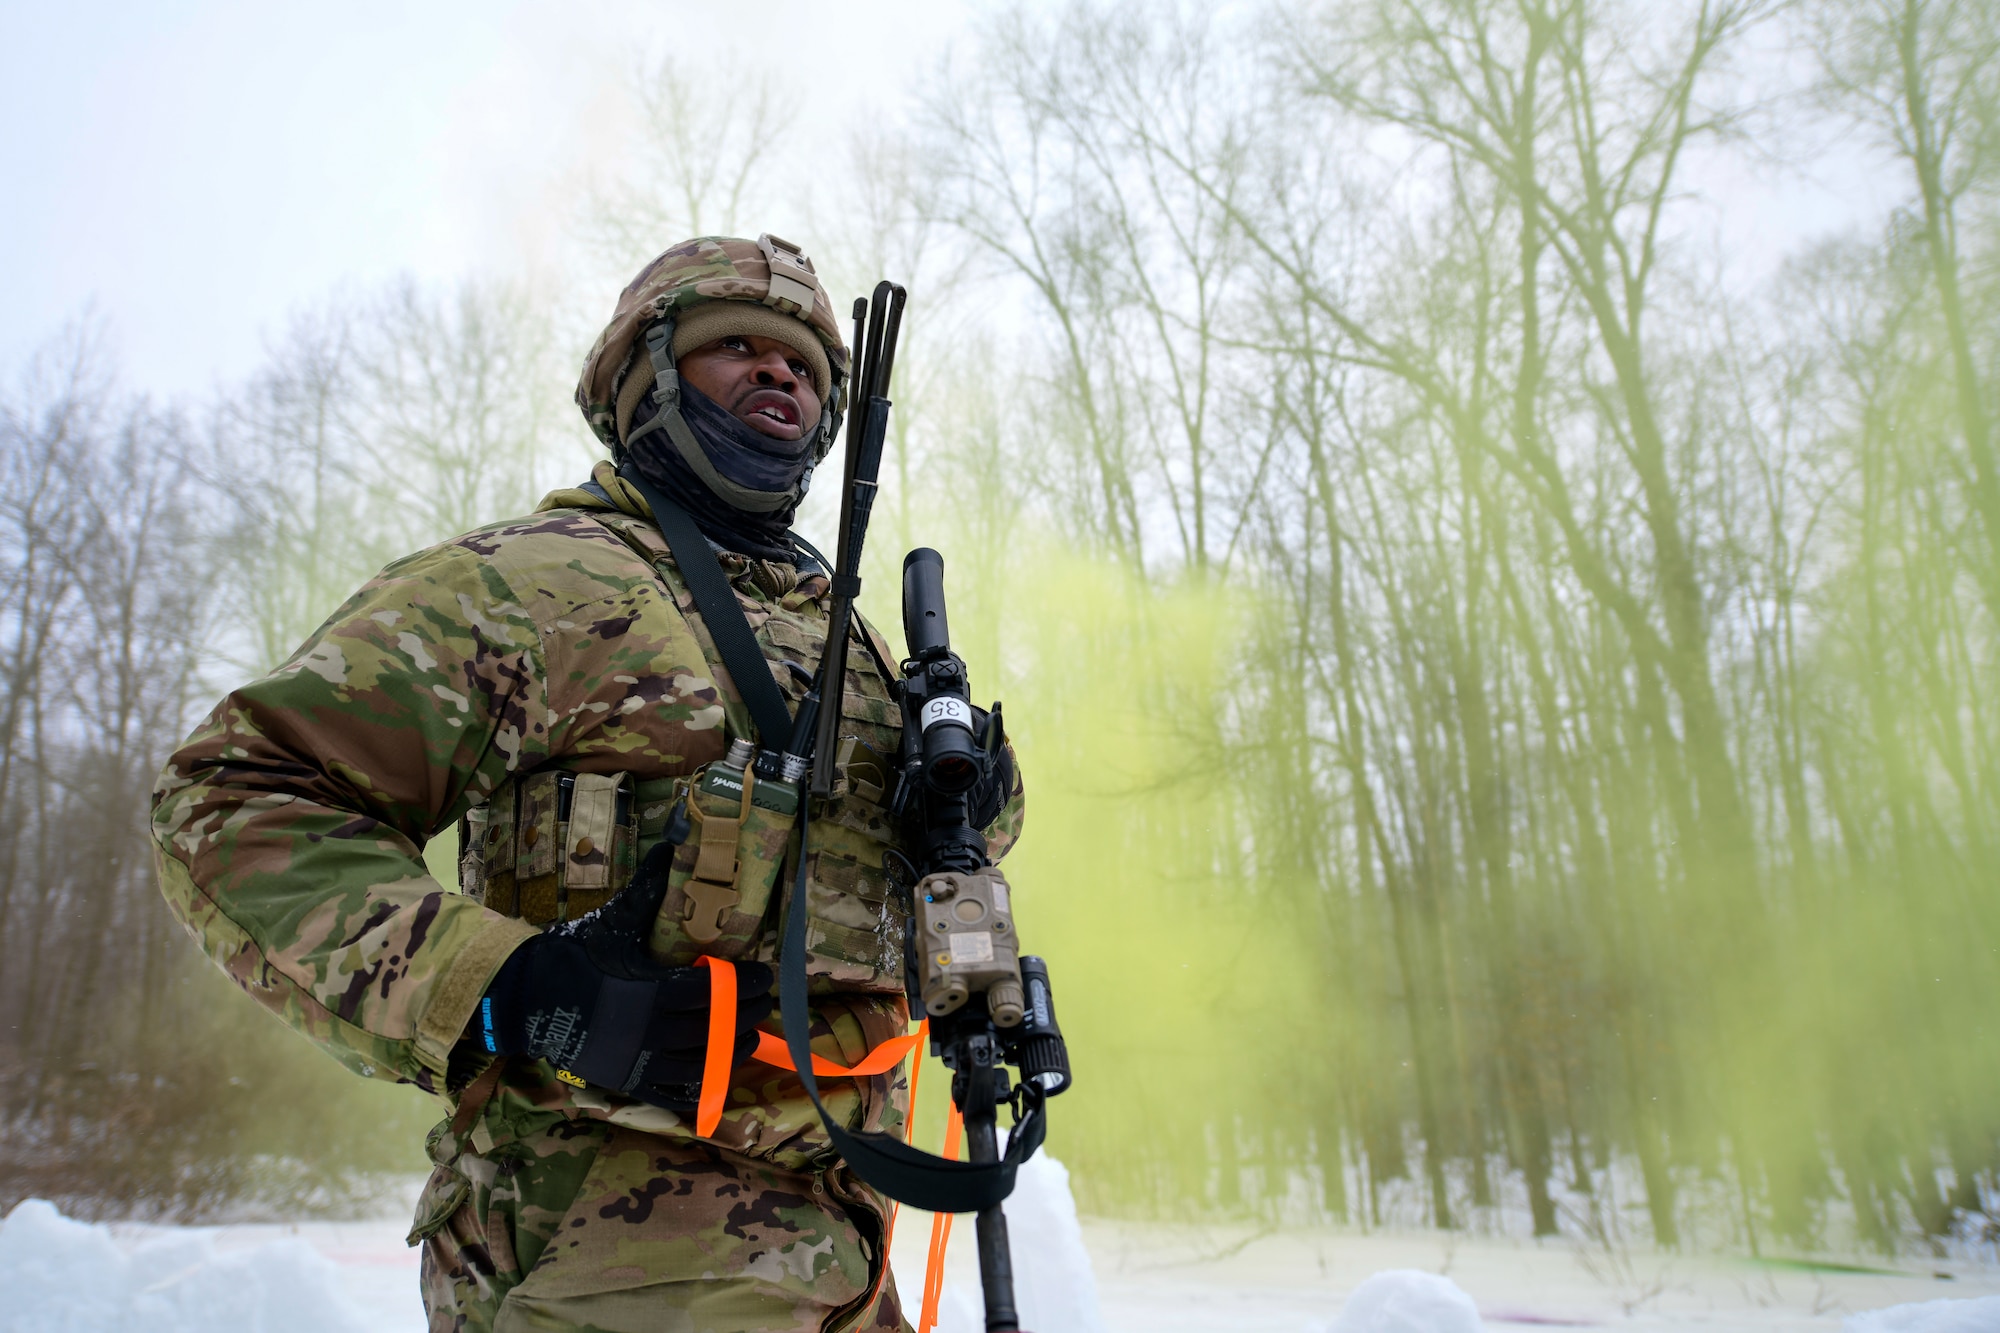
<point x="194" y="172"/>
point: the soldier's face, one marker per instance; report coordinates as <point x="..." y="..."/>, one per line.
<point x="764" y="383"/>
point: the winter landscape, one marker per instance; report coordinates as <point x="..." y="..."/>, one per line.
<point x="1484" y="516"/>
<point x="63" y="1276"/>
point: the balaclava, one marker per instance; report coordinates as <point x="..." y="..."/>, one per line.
<point x="742" y="457"/>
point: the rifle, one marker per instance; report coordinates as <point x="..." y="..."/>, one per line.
<point x="988" y="1006"/>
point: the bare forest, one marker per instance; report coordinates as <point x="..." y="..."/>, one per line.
<point x="1494" y="631"/>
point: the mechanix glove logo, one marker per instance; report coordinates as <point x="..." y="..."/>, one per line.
<point x="557" y="1036"/>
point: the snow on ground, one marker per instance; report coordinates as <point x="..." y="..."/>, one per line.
<point x="1182" y="1279"/>
<point x="1974" y="1316"/>
<point x="1408" y="1300"/>
<point x="1088" y="1276"/>
<point x="63" y="1276"/>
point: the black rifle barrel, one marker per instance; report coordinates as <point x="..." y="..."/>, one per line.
<point x="926" y="632"/>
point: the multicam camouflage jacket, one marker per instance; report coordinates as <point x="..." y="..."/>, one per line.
<point x="546" y="685"/>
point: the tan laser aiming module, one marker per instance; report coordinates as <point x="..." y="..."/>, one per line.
<point x="966" y="945"/>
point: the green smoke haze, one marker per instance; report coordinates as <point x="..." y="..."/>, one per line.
<point x="1501" y="641"/>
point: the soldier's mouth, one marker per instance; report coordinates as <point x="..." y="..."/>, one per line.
<point x="771" y="411"/>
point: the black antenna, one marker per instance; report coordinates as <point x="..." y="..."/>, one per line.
<point x="876" y="327"/>
<point x="805" y="726"/>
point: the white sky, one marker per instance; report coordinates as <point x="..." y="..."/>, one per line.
<point x="195" y="172"/>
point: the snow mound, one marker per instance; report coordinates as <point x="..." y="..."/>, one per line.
<point x="1408" y="1300"/>
<point x="1055" y="1289"/>
<point x="64" y="1276"/>
<point x="1981" y="1315"/>
<point x="1053" y="1282"/>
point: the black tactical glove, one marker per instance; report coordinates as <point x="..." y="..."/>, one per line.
<point x="587" y="997"/>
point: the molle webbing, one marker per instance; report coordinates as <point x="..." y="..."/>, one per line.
<point x="553" y="845"/>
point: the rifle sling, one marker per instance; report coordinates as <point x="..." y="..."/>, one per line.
<point x="723" y="615"/>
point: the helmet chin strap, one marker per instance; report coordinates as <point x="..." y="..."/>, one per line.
<point x="667" y="417"/>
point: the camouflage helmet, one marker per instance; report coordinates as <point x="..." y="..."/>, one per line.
<point x="771" y="274"/>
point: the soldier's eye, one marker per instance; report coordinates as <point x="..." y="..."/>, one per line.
<point x="799" y="368"/>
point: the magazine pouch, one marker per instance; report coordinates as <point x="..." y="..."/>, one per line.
<point x="550" y="846"/>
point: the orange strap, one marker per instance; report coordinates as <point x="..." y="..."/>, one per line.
<point x="771" y="1049"/>
<point x="721" y="1043"/>
<point x="940" y="1234"/>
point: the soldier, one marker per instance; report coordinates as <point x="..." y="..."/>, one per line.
<point x="546" y="685"/>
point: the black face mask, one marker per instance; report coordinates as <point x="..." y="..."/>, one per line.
<point x="744" y="456"/>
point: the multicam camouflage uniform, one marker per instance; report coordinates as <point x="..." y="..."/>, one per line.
<point x="546" y="684"/>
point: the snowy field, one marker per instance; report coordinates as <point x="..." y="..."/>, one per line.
<point x="61" y="1276"/>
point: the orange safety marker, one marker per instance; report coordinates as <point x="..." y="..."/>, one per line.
<point x="954" y="1125"/>
<point x="771" y="1049"/>
<point x="721" y="1054"/>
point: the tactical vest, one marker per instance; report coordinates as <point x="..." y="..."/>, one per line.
<point x="552" y="844"/>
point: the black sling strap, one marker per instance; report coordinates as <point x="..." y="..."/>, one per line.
<point x="920" y="1179"/>
<point x="723" y="615"/>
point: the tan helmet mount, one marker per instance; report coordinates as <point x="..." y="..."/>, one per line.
<point x="793" y="282"/>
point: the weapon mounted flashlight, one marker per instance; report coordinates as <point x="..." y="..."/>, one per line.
<point x="1044" y="1057"/>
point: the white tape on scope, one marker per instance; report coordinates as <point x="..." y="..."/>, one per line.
<point x="944" y="708"/>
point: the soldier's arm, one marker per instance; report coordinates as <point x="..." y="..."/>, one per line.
<point x="290" y="826"/>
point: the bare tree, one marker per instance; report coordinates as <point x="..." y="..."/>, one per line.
<point x="380" y="426"/>
<point x="1923" y="78"/>
<point x="695" y="161"/>
<point x="1577" y="553"/>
